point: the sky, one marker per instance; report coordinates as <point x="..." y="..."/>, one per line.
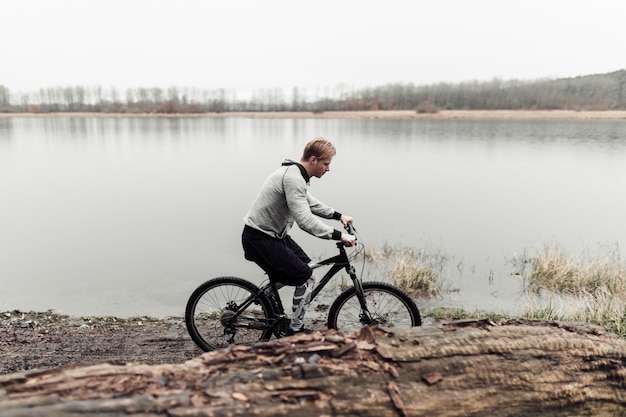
<point x="247" y="45"/>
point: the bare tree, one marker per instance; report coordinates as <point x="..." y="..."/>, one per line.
<point x="5" y="97"/>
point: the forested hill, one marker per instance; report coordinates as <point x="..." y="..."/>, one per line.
<point x="590" y="92"/>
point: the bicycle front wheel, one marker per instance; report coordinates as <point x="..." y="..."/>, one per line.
<point x="212" y="316"/>
<point x="388" y="307"/>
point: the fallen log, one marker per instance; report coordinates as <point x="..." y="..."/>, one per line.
<point x="467" y="368"/>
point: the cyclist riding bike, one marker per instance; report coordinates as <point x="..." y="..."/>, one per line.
<point x="283" y="199"/>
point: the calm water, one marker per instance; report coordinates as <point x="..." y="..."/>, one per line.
<point x="127" y="216"/>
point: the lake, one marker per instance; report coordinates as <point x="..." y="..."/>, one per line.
<point x="126" y="216"/>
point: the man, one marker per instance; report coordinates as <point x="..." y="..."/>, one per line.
<point x="283" y="199"/>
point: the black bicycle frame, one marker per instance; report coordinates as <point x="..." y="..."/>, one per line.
<point x="338" y="262"/>
<point x="341" y="261"/>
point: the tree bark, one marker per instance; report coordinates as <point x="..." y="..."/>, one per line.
<point x="467" y="368"/>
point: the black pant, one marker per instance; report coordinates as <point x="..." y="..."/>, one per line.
<point x="282" y="259"/>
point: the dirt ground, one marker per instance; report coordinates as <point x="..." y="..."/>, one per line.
<point x="43" y="340"/>
<point x="36" y="340"/>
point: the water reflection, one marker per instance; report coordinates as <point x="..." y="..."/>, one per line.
<point x="126" y="211"/>
<point x="6" y="130"/>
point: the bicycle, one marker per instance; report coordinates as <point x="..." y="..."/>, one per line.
<point x="228" y="310"/>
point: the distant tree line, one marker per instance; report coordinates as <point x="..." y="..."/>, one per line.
<point x="591" y="92"/>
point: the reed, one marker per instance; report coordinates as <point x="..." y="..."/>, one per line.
<point x="589" y="288"/>
<point x="554" y="270"/>
<point x="420" y="272"/>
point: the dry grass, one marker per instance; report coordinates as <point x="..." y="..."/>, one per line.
<point x="555" y="270"/>
<point x="590" y="288"/>
<point x="417" y="271"/>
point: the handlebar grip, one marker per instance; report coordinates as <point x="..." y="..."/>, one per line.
<point x="351" y="230"/>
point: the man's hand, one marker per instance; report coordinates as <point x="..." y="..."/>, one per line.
<point x="345" y="219"/>
<point x="348" y="239"/>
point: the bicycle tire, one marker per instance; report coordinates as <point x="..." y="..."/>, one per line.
<point x="389" y="307"/>
<point x="208" y="311"/>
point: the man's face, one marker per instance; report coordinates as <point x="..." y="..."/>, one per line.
<point x="321" y="166"/>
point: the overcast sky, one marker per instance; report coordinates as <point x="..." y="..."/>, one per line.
<point x="251" y="44"/>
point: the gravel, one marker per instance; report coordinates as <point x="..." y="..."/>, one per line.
<point x="41" y="340"/>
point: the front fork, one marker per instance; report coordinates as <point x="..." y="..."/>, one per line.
<point x="365" y="316"/>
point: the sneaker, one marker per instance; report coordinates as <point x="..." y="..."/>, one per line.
<point x="301" y="330"/>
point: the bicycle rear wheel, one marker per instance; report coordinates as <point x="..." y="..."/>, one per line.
<point x="388" y="305"/>
<point x="211" y="318"/>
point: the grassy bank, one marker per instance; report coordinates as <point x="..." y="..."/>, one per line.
<point x="588" y="288"/>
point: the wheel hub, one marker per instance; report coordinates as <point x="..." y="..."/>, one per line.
<point x="228" y="318"/>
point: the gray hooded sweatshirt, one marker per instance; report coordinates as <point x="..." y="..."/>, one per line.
<point x="285" y="198"/>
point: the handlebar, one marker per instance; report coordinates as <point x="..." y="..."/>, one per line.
<point x="351" y="230"/>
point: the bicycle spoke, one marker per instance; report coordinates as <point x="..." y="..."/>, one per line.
<point x="387" y="306"/>
<point x="213" y="319"/>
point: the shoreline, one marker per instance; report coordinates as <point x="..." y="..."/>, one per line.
<point x="44" y="340"/>
<point x="364" y="115"/>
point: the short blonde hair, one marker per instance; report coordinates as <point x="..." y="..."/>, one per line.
<point x="319" y="148"/>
